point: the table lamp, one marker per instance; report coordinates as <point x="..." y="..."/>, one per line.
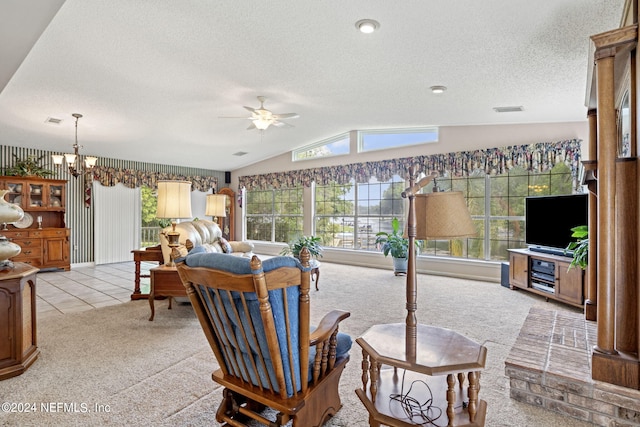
<point x="174" y="203"/>
<point x="216" y="206"/>
<point x="437" y="215"/>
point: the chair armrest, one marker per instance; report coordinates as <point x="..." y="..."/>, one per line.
<point x="241" y="246"/>
<point x="327" y="326"/>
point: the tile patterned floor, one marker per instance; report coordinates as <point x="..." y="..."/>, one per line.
<point x="85" y="288"/>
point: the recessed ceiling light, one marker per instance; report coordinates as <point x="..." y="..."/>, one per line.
<point x="508" y="109"/>
<point x="367" y="26"/>
<point x="438" y="89"/>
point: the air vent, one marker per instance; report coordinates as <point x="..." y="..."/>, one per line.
<point x="240" y="153"/>
<point x="508" y="109"/>
<point x="53" y="121"/>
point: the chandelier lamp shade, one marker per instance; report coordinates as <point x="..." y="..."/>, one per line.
<point x="216" y="206"/>
<point x="72" y="160"/>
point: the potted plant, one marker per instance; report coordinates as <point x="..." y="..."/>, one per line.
<point x="395" y="244"/>
<point x="312" y="244"/>
<point x="580" y="247"/>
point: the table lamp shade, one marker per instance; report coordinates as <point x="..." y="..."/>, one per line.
<point x="174" y="199"/>
<point x="216" y="205"/>
<point x="442" y="215"/>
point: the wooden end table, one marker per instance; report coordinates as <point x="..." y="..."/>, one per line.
<point x="18" y="343"/>
<point x="151" y="254"/>
<point x="315" y="271"/>
<point x="166" y="282"/>
<point x="436" y="353"/>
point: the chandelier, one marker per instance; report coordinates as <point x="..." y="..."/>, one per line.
<point x="73" y="159"/>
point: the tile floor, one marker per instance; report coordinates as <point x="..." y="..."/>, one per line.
<point x="85" y="288"/>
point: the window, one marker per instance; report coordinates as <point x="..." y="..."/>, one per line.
<point x="349" y="216"/>
<point x="496" y="205"/>
<point x="274" y="215"/>
<point x="329" y="147"/>
<point x="382" y="139"/>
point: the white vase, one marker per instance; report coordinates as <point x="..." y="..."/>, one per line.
<point x="9" y="213"/>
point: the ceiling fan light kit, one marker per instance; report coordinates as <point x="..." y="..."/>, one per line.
<point x="261" y="118"/>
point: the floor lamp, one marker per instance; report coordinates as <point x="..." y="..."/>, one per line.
<point x="174" y="202"/>
<point x="216" y="206"/>
<point x="436" y="215"/>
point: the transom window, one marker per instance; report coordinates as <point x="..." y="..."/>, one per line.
<point x="329" y="147"/>
<point x="382" y="139"/>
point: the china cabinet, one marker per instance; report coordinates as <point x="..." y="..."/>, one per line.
<point x="41" y="234"/>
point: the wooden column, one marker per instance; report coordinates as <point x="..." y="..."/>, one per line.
<point x="606" y="253"/>
<point x="627" y="259"/>
<point x="591" y="300"/>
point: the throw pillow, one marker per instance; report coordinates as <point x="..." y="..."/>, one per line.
<point x="226" y="246"/>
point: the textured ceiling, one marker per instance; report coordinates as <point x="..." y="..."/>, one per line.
<point x="152" y="77"/>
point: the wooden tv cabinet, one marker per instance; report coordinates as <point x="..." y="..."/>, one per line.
<point x="547" y="275"/>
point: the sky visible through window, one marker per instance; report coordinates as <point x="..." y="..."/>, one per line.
<point x="380" y="140"/>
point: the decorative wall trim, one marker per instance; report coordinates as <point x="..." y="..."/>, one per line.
<point x="539" y="157"/>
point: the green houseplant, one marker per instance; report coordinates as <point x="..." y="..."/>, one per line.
<point x="395" y="244"/>
<point x="312" y="244"/>
<point x="27" y="167"/>
<point x="580" y="247"/>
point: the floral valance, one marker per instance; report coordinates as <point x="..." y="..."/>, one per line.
<point x="110" y="176"/>
<point x="539" y="157"/>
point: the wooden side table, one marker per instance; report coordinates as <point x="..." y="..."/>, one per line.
<point x="436" y="353"/>
<point x="315" y="271"/>
<point x="166" y="282"/>
<point x="151" y="254"/>
<point x="18" y="343"/>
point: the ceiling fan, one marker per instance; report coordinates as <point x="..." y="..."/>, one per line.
<point x="261" y="118"/>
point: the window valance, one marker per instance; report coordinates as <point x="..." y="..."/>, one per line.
<point x="110" y="176"/>
<point x="132" y="178"/>
<point x="539" y="157"/>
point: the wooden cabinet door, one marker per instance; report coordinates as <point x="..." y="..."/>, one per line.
<point x="569" y="282"/>
<point x="56" y="252"/>
<point x="518" y="270"/>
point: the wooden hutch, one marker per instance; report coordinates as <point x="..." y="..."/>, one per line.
<point x="41" y="234"/>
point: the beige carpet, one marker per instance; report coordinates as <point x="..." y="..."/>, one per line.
<point x="112" y="366"/>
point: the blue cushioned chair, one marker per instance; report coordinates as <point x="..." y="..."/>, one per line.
<point x="256" y="318"/>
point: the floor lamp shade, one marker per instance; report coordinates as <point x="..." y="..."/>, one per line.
<point x="216" y="205"/>
<point x="174" y="199"/>
<point x="443" y="215"/>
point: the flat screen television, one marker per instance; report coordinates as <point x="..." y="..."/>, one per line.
<point x="549" y="220"/>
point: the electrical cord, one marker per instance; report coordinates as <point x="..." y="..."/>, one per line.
<point x="418" y="413"/>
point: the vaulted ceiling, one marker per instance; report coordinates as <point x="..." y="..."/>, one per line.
<point x="153" y="77"/>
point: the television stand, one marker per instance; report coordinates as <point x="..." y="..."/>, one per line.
<point x="546" y="274"/>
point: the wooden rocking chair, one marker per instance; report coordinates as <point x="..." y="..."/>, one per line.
<point x="256" y="318"/>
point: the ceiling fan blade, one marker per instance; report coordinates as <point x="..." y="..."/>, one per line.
<point x="281" y="124"/>
<point x="253" y="110"/>
<point x="234" y="117"/>
<point x="251" y="126"/>
<point x="286" y="116"/>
